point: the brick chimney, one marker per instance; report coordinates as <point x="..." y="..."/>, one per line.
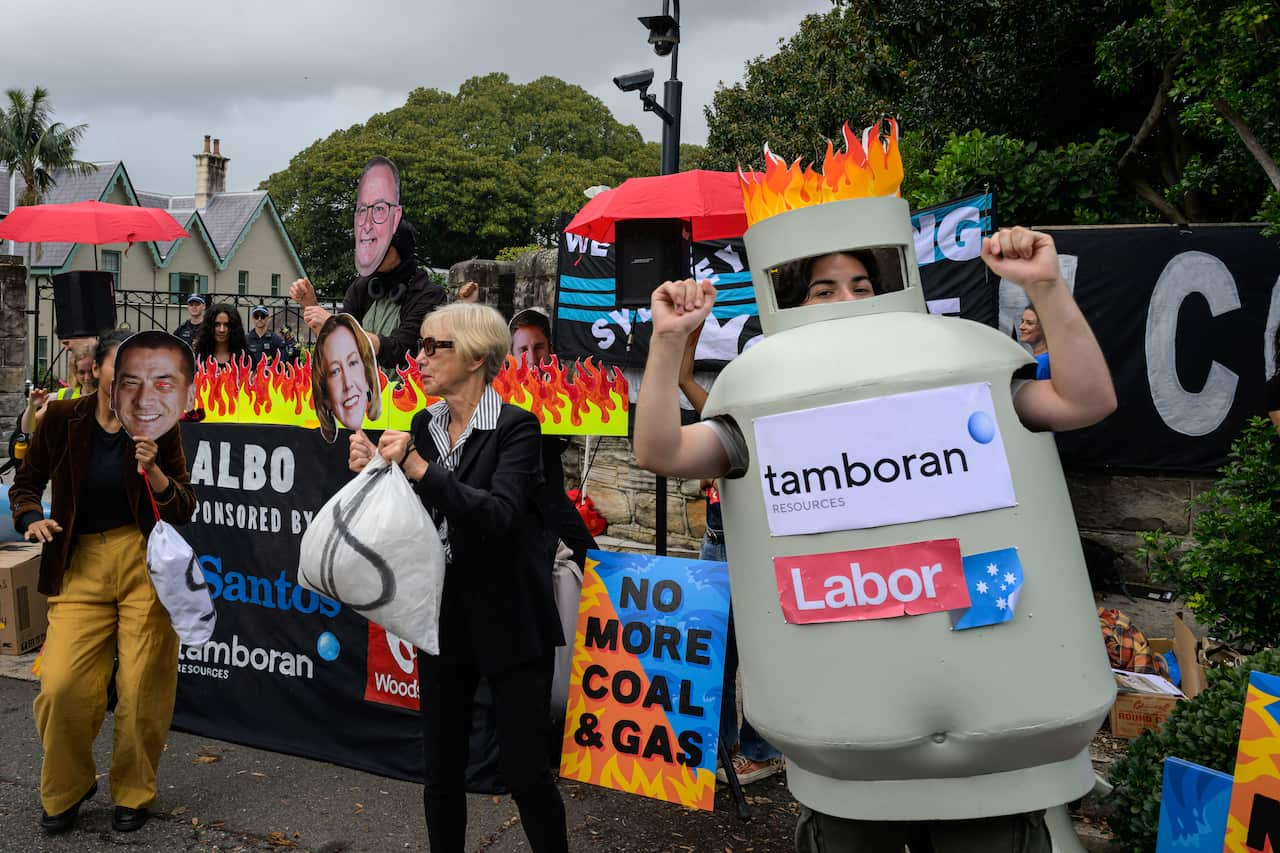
<point x="211" y="173"/>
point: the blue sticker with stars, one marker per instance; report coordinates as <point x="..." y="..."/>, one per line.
<point x="994" y="579"/>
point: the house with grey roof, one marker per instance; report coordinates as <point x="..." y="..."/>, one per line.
<point x="239" y="250"/>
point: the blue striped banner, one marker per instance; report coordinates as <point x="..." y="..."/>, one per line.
<point x="598" y="285"/>
<point x="597" y="300"/>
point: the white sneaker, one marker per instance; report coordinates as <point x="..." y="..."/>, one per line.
<point x="749" y="771"/>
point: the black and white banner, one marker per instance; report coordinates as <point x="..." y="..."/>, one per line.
<point x="589" y="322"/>
<point x="1187" y="320"/>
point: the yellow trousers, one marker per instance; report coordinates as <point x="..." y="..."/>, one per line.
<point x="107" y="607"/>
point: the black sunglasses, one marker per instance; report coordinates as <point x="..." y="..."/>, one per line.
<point x="428" y="346"/>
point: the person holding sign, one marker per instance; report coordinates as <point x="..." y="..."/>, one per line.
<point x="476" y="463"/>
<point x="95" y="452"/>
<point x="391" y="295"/>
<point x="1079" y="393"/>
<point x="344" y="377"/>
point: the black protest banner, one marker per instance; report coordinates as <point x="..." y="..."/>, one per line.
<point x="287" y="669"/>
<point x="1187" y="319"/>
<point x="589" y="322"/>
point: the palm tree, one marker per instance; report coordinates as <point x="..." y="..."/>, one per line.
<point x="33" y="147"/>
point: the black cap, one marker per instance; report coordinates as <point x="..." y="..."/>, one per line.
<point x="195" y="297"/>
<point x="259" y="311"/>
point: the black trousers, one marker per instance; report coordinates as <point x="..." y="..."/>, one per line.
<point x="522" y="707"/>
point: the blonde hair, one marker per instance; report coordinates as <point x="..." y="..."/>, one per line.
<point x="320" y="391"/>
<point x="478" y="332"/>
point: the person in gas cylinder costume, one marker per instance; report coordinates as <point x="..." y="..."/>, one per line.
<point x="1079" y="393"/>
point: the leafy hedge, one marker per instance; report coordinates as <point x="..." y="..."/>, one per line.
<point x="1204" y="730"/>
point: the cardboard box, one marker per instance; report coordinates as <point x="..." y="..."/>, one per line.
<point x="24" y="612"/>
<point x="1142" y="702"/>
<point x="1146" y="701"/>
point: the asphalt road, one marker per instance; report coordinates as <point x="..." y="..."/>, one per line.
<point x="218" y="796"/>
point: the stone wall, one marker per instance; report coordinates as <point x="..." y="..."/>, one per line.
<point x="13" y="344"/>
<point x="1111" y="508"/>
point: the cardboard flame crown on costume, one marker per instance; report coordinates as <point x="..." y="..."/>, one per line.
<point x="868" y="167"/>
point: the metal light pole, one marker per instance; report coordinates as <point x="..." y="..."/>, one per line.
<point x="664" y="35"/>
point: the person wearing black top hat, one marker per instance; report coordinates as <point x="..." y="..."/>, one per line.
<point x="391" y="299"/>
<point x="262" y="342"/>
<point x="195" y="308"/>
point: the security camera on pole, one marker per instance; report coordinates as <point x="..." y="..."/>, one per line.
<point x="664" y="35"/>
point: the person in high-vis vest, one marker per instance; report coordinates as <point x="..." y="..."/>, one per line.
<point x="102" y="606"/>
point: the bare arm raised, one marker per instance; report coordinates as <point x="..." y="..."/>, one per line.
<point x="1079" y="392"/>
<point x="661" y="444"/>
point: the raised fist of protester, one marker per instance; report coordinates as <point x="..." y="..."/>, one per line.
<point x="360" y="452"/>
<point x="680" y="307"/>
<point x="469" y="292"/>
<point x="303" y="293"/>
<point x="1022" y="256"/>
<point x="42" y="530"/>
<point x="315" y="316"/>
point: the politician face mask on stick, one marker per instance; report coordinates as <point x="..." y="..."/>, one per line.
<point x="153" y="383"/>
<point x="377" y="213"/>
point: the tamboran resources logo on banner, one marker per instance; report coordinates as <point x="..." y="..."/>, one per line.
<point x="889" y="460"/>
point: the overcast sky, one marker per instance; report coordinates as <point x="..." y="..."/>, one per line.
<point x="269" y="77"/>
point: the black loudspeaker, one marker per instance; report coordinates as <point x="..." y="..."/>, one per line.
<point x="84" y="303"/>
<point x="649" y="252"/>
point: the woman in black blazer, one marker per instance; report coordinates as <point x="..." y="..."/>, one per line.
<point x="476" y="463"/>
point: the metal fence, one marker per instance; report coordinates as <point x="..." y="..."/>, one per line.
<point x="141" y="310"/>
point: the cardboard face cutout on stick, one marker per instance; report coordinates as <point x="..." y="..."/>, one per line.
<point x="344" y="377"/>
<point x="377" y="214"/>
<point x="153" y="383"/>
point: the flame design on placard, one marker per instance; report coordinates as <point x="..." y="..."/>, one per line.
<point x="868" y="167"/>
<point x="575" y="398"/>
<point x="1257" y="771"/>
<point x="673" y="783"/>
<point x="592" y="394"/>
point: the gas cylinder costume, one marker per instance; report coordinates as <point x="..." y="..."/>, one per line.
<point x="101" y="601"/>
<point x="897" y="729"/>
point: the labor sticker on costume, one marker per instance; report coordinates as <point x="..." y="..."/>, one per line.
<point x="889" y="460"/>
<point x="872" y="583"/>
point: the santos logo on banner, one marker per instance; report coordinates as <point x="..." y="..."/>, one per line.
<point x="890" y="460"/>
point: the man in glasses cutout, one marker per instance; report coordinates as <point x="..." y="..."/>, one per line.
<point x="390" y="295"/>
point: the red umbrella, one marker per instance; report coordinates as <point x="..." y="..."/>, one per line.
<point x="89" y="222"/>
<point x="710" y="201"/>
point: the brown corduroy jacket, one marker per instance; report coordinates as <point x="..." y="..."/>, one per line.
<point x="59" y="454"/>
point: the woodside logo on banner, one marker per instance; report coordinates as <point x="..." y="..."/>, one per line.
<point x="889" y="460"/>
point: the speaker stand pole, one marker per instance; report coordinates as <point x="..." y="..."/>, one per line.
<point x="95" y="257"/>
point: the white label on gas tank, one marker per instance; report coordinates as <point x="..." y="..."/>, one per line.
<point x="889" y="460"/>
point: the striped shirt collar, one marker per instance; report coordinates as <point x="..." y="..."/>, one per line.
<point x="484" y="417"/>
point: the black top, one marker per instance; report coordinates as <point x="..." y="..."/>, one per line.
<point x="104" y="505"/>
<point x="1273" y="393"/>
<point x="416" y="294"/>
<point x="265" y="346"/>
<point x="187" y="331"/>
<point x="498" y="608"/>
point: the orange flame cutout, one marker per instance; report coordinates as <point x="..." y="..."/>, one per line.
<point x="580" y="398"/>
<point x="870" y="166"/>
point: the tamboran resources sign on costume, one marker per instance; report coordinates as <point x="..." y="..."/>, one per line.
<point x="644" y="697"/>
<point x="889" y="460"/>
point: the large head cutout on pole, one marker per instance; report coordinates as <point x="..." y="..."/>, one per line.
<point x="344" y="377"/>
<point x="154" y="383"/>
<point x="378" y="213"/>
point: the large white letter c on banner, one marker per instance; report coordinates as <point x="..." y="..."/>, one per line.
<point x="1188" y="412"/>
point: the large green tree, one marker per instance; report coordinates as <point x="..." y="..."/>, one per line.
<point x="34" y="146"/>
<point x="1210" y="71"/>
<point x="940" y="66"/>
<point x="494" y="165"/>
